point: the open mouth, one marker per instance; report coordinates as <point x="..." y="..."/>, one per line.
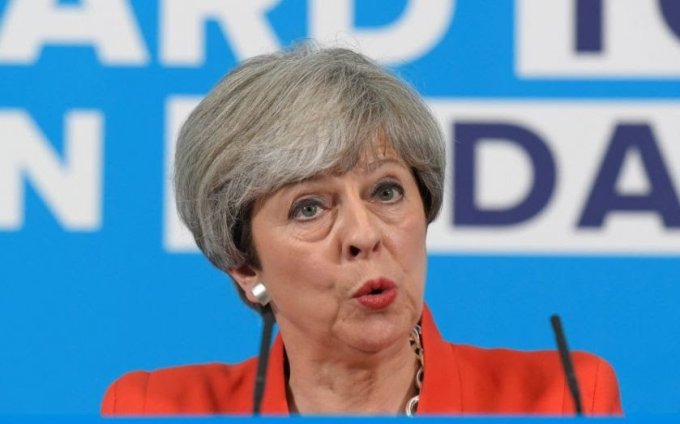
<point x="376" y="294"/>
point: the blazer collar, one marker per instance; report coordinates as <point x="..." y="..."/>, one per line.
<point x="441" y="390"/>
<point x="275" y="401"/>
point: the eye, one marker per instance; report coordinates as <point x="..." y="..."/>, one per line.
<point x="305" y="209"/>
<point x="388" y="192"/>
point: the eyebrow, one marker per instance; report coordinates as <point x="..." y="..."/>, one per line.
<point x="367" y="168"/>
<point x="375" y="164"/>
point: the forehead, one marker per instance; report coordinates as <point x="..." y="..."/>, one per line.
<point x="320" y="160"/>
<point x="373" y="157"/>
<point x="365" y="155"/>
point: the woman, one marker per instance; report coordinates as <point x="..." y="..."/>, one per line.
<point x="310" y="177"/>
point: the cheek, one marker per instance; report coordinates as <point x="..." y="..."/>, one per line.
<point x="413" y="230"/>
<point x="411" y="242"/>
<point x="279" y="256"/>
<point x="294" y="270"/>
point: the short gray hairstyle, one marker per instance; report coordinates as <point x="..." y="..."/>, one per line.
<point x="281" y="118"/>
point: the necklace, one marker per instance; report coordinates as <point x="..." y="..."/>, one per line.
<point x="416" y="344"/>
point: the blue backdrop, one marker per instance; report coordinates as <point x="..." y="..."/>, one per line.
<point x="91" y="284"/>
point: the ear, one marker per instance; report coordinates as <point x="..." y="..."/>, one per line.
<point x="246" y="277"/>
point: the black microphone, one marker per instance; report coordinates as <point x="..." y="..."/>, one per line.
<point x="263" y="358"/>
<point x="567" y="363"/>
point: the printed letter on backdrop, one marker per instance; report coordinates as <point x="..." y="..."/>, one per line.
<point x="597" y="38"/>
<point x="244" y="24"/>
<point x="604" y="198"/>
<point x="70" y="187"/>
<point x="108" y="26"/>
<point x="416" y="32"/>
<point x="176" y="236"/>
<point x="469" y="136"/>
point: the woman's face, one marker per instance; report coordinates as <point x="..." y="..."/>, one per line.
<point x="343" y="256"/>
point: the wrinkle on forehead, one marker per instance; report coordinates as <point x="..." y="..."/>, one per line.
<point x="373" y="155"/>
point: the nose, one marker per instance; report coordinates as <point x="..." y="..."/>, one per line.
<point x="361" y="235"/>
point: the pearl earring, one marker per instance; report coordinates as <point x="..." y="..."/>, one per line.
<point x="260" y="292"/>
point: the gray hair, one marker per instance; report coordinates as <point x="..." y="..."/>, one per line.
<point x="282" y="118"/>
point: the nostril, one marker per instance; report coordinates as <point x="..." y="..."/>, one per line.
<point x="354" y="251"/>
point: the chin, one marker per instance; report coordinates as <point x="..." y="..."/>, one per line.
<point x="380" y="332"/>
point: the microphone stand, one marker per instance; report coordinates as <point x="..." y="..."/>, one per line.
<point x="567" y="363"/>
<point x="263" y="358"/>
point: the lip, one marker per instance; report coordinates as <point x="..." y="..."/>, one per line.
<point x="376" y="294"/>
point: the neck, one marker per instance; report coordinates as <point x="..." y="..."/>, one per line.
<point x="351" y="381"/>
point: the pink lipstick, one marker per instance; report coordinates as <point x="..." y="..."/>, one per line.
<point x="376" y="294"/>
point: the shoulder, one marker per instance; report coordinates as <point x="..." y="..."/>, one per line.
<point x="535" y="381"/>
<point x="192" y="389"/>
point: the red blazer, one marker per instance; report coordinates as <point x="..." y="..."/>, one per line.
<point x="458" y="380"/>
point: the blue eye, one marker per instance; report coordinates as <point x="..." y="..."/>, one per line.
<point x="305" y="209"/>
<point x="388" y="192"/>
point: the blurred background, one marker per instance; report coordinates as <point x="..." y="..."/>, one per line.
<point x="562" y="193"/>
